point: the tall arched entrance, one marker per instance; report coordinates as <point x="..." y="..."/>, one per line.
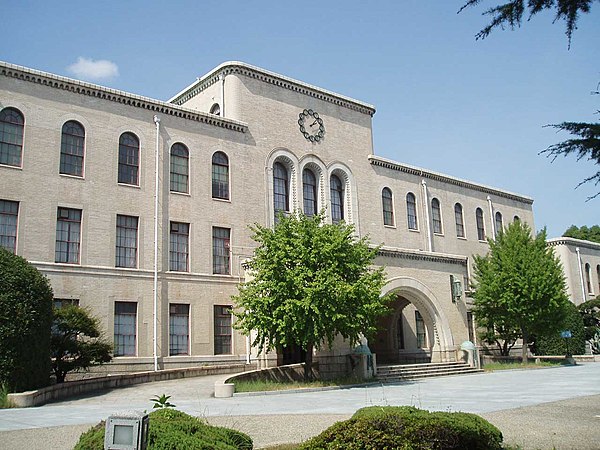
<point x="415" y="330"/>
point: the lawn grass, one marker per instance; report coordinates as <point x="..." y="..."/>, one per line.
<point x="493" y="366"/>
<point x="268" y="385"/>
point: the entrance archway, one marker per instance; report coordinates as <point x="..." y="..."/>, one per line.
<point x="416" y="330"/>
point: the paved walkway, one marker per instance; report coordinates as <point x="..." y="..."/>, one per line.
<point x="486" y="394"/>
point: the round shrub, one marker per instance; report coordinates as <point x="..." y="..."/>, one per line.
<point x="408" y="428"/>
<point x="170" y="429"/>
<point x="554" y="344"/>
<point x="25" y="323"/>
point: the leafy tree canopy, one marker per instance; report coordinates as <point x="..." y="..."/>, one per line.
<point x="76" y="342"/>
<point x="585" y="233"/>
<point x="519" y="286"/>
<point x="511" y="13"/>
<point x="590" y="313"/>
<point x="312" y="281"/>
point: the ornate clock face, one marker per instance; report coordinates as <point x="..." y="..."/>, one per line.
<point x="311" y="125"/>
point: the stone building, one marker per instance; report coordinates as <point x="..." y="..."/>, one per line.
<point x="139" y="209"/>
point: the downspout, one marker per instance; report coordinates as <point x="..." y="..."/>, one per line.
<point x="492" y="219"/>
<point x="222" y="77"/>
<point x="428" y="229"/>
<point x="579" y="263"/>
<point x="155" y="288"/>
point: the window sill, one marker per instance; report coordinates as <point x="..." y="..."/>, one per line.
<point x="73" y="177"/>
<point x="439" y="234"/>
<point x="184" y="194"/>
<point x="135" y="186"/>
<point x="462" y="238"/>
<point x="390" y="226"/>
<point x="10" y="166"/>
<point x="412" y="230"/>
<point x="223" y="200"/>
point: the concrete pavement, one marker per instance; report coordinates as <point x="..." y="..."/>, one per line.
<point x="483" y="394"/>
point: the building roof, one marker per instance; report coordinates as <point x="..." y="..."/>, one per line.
<point x="572" y="242"/>
<point x="271" y="78"/>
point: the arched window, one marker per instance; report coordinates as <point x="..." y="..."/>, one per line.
<point x="588" y="278"/>
<point x="480" y="224"/>
<point x="411" y="211"/>
<point x="180" y="168"/>
<point x="129" y="159"/>
<point x="516" y="219"/>
<point x="458" y="220"/>
<point x="388" y="206"/>
<point x="72" y="149"/>
<point x="436" y="216"/>
<point x="220" y="176"/>
<point x="499" y="224"/>
<point x="11" y="136"/>
<point x="309" y="190"/>
<point x="215" y="109"/>
<point x="337" y="199"/>
<point x="281" y="183"/>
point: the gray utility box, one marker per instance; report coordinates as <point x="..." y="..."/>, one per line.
<point x="126" y="431"/>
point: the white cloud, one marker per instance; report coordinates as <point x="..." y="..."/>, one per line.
<point x="94" y="70"/>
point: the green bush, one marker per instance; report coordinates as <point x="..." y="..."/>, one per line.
<point x="174" y="430"/>
<point x="25" y="322"/>
<point x="408" y="428"/>
<point x="554" y="344"/>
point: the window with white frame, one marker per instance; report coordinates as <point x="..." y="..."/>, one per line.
<point x="179" y="251"/>
<point x="179" y="168"/>
<point x="68" y="235"/>
<point x="129" y="159"/>
<point x="588" y="278"/>
<point x="126" y="242"/>
<point x="499" y="224"/>
<point x="459" y="220"/>
<point x="179" y="329"/>
<point x="420" y="330"/>
<point x="222" y="329"/>
<point x="337" y="199"/>
<point x="309" y="191"/>
<point x="436" y="216"/>
<point x="220" y="176"/>
<point x="221" y="245"/>
<point x="387" y="206"/>
<point x="125" y="328"/>
<point x="281" y="185"/>
<point x="72" y="149"/>
<point x="11" y="137"/>
<point x="480" y="224"/>
<point x="9" y="215"/>
<point x="411" y="211"/>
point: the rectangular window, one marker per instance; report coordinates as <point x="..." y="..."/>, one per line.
<point x="9" y="213"/>
<point x="64" y="302"/>
<point x="127" y="235"/>
<point x="222" y="330"/>
<point x="221" y="250"/>
<point x="179" y="329"/>
<point x="125" y="328"/>
<point x="420" y="330"/>
<point x="68" y="235"/>
<point x="179" y="247"/>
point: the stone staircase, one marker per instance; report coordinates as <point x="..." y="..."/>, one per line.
<point x="402" y="372"/>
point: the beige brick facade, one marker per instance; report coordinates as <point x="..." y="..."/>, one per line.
<point x="256" y="129"/>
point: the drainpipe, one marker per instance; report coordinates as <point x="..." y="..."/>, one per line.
<point x="428" y="228"/>
<point x="579" y="263"/>
<point x="222" y="77"/>
<point x="155" y="289"/>
<point x="492" y="219"/>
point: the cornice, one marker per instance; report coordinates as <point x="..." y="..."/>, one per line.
<point x="424" y="173"/>
<point x="237" y="67"/>
<point x="569" y="241"/>
<point x="402" y="253"/>
<point x="113" y="95"/>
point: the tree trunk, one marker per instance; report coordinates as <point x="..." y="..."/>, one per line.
<point x="524" y="348"/>
<point x="308" y="363"/>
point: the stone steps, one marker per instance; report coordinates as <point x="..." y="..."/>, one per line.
<point x="393" y="373"/>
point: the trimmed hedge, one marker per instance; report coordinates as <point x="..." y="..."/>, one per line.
<point x="170" y="429"/>
<point x="25" y="323"/>
<point x="408" y="428"/>
<point x="554" y="344"/>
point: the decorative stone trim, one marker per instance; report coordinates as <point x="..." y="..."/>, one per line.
<point x="573" y="242"/>
<point x="92" y="90"/>
<point x="423" y="173"/>
<point x="401" y="253"/>
<point x="236" y="67"/>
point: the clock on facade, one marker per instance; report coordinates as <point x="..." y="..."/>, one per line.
<point x="311" y="125"/>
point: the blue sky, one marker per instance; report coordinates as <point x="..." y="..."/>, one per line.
<point x="445" y="102"/>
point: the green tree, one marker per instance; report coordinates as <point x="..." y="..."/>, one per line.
<point x="25" y="321"/>
<point x="519" y="285"/>
<point x="511" y="13"/>
<point x="312" y="281"/>
<point x="585" y="233"/>
<point x="77" y="342"/>
<point x="590" y="313"/>
<point x="552" y="343"/>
